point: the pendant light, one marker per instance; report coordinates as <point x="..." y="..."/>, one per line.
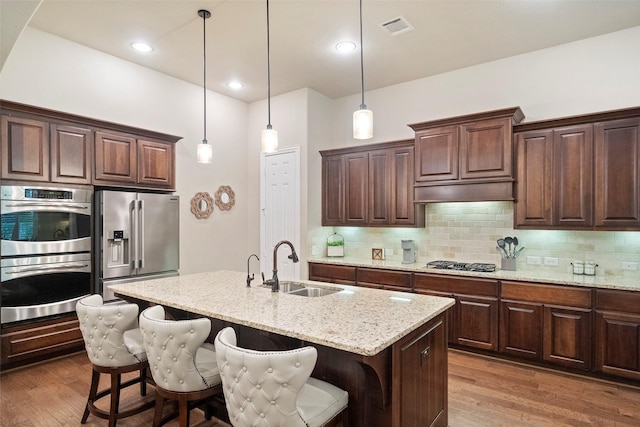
<point x="205" y="151"/>
<point x="362" y="118"/>
<point x="269" y="135"/>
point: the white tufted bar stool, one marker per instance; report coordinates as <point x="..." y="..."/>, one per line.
<point x="114" y="346"/>
<point x="275" y="388"/>
<point x="183" y="366"/>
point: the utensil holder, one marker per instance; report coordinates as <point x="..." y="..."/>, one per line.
<point x="509" y="264"/>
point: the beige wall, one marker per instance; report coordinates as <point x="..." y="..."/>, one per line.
<point x="51" y="72"/>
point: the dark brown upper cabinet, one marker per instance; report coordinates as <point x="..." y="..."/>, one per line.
<point x="370" y="186"/>
<point x="465" y="158"/>
<point x="579" y="172"/>
<point x="53" y="147"/>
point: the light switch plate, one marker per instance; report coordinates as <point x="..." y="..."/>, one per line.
<point x="550" y="260"/>
<point x="534" y="260"/>
<point x="388" y="252"/>
<point x="629" y="266"/>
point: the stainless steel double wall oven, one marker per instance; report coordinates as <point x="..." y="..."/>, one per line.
<point x="45" y="265"/>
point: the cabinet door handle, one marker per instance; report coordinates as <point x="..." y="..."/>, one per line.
<point x="425" y="354"/>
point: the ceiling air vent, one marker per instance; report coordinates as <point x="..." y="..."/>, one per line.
<point x="397" y="26"/>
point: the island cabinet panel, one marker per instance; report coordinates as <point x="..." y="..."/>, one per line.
<point x="385" y="279"/>
<point x="617" y="145"/>
<point x="71" y="154"/>
<point x="35" y="341"/>
<point x="115" y="157"/>
<point x="331" y="273"/>
<point x="617" y="342"/>
<point x="420" y="377"/>
<point x="547" y="323"/>
<point x="473" y="321"/>
<point x="333" y="190"/>
<point x="465" y="158"/>
<point x="25" y="149"/>
<point x="370" y="186"/>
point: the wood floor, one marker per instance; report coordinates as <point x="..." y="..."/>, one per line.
<point x="482" y="392"/>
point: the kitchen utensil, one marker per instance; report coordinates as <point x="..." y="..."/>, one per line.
<point x="515" y="245"/>
<point x="509" y="241"/>
<point x="501" y="246"/>
<point x="520" y="249"/>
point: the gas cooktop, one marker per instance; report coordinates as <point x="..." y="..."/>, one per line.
<point x="462" y="266"/>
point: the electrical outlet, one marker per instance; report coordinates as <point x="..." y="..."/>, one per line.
<point x="550" y="260"/>
<point x="388" y="252"/>
<point x="629" y="265"/>
<point x="534" y="260"/>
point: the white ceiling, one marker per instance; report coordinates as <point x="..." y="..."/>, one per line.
<point x="448" y="35"/>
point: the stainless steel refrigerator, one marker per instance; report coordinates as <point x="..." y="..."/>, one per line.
<point x="136" y="238"/>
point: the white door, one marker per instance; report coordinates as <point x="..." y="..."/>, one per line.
<point x="280" y="204"/>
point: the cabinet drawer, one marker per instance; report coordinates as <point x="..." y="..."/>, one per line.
<point x="332" y="273"/>
<point x="457" y="285"/>
<point x="40" y="340"/>
<point x="622" y="301"/>
<point x="395" y="279"/>
<point x="548" y="294"/>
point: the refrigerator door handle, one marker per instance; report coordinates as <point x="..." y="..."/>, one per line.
<point x="134" y="227"/>
<point x="141" y="235"/>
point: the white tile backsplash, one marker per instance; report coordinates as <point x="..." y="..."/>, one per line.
<point x="468" y="232"/>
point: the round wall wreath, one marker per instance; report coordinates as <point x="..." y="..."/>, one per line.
<point x="225" y="198"/>
<point x="202" y="205"/>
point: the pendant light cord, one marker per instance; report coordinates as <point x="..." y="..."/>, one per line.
<point x="362" y="105"/>
<point x="205" y="15"/>
<point x="268" y="73"/>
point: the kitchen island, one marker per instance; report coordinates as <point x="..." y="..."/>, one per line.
<point x="387" y="349"/>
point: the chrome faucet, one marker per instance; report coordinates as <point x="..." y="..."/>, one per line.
<point x="274" y="282"/>
<point x="250" y="278"/>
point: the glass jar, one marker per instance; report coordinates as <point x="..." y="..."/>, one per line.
<point x="578" y="267"/>
<point x="590" y="268"/>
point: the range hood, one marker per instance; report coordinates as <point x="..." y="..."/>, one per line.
<point x="466" y="158"/>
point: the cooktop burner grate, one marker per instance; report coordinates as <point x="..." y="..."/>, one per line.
<point x="462" y="266"/>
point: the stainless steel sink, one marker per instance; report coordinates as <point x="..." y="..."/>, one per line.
<point x="313" y="292"/>
<point x="293" y="288"/>
<point x="288" y="287"/>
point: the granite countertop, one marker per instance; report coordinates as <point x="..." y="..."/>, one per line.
<point x="598" y="281"/>
<point x="356" y="319"/>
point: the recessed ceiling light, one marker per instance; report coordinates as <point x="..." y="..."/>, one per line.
<point x="141" y="47"/>
<point x="235" y="85"/>
<point x="345" y="47"/>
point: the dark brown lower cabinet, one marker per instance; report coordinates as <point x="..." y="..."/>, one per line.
<point x="477" y="322"/>
<point x="567" y="337"/>
<point x="385" y="279"/>
<point x="331" y="273"/>
<point x="473" y="321"/>
<point x="547" y="323"/>
<point x="617" y="347"/>
<point x="40" y="340"/>
<point x="420" y="377"/>
<point x="521" y="329"/>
